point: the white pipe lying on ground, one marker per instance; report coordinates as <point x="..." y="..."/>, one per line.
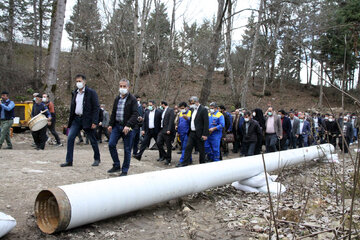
<point x="7" y="223"/>
<point x="71" y="206"/>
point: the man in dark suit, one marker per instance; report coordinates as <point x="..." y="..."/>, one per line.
<point x="84" y="114"/>
<point x="151" y="128"/>
<point x="124" y="117"/>
<point x="166" y="133"/>
<point x="304" y="131"/>
<point x="286" y="126"/>
<point x="138" y="125"/>
<point x="295" y="130"/>
<point x="198" y="132"/>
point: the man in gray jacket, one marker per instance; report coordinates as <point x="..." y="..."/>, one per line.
<point x="273" y="130"/>
<point x="104" y="124"/>
<point x="295" y="130"/>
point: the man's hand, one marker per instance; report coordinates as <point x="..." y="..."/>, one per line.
<point x="297" y="135"/>
<point x="100" y="123"/>
<point x="280" y="137"/>
<point x="126" y="130"/>
<point x="110" y="129"/>
<point x="142" y="133"/>
<point x="185" y="117"/>
<point x="93" y="126"/>
<point x="204" y="138"/>
<point x="49" y="122"/>
<point x="168" y="132"/>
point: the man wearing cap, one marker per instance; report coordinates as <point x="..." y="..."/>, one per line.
<point x="6" y="119"/>
<point x="40" y="136"/>
<point x="216" y="125"/>
<point x="84" y="114"/>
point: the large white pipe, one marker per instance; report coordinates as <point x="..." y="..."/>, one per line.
<point x="70" y="206"/>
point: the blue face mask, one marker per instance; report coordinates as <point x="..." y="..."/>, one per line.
<point x="270" y="113"/>
<point x="161" y="108"/>
<point x="150" y="108"/>
<point x="301" y="120"/>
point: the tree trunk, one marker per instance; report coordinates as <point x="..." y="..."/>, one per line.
<point x="169" y="52"/>
<point x="344" y="78"/>
<point x="139" y="40"/>
<point x="55" y="48"/>
<point x="321" y="86"/>
<point x="41" y="33"/>
<point x="228" y="52"/>
<point x="311" y="59"/>
<point x="215" y="44"/>
<point x="71" y="59"/>
<point x="10" y="36"/>
<point x="245" y="84"/>
<point x="35" y="29"/>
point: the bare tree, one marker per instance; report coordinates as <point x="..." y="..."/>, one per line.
<point x="245" y="85"/>
<point x="215" y="44"/>
<point x="55" y="46"/>
<point x="139" y="39"/>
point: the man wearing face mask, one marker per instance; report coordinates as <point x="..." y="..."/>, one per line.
<point x="40" y="136"/>
<point x="251" y="133"/>
<point x="166" y="133"/>
<point x="236" y="131"/>
<point x="183" y="128"/>
<point x="84" y="114"/>
<point x="295" y="130"/>
<point x="273" y="130"/>
<point x="216" y="125"/>
<point x="305" y="130"/>
<point x="331" y="129"/>
<point x="124" y="118"/>
<point x="51" y="127"/>
<point x="6" y="119"/>
<point x="151" y="128"/>
<point x="286" y="126"/>
<point x="198" y="131"/>
<point x="347" y="131"/>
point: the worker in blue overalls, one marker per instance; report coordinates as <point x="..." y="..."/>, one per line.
<point x="183" y="127"/>
<point x="216" y="125"/>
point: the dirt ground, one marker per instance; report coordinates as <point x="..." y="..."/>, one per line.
<point x="219" y="213"/>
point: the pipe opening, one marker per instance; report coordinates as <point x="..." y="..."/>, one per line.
<point x="52" y="211"/>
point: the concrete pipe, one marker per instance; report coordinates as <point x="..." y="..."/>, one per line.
<point x="70" y="206"/>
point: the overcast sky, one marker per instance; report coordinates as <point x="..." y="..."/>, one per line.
<point x="188" y="10"/>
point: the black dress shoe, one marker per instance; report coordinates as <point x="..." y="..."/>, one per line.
<point x="67" y="164"/>
<point x="114" y="169"/>
<point x="160" y="159"/>
<point x="179" y="152"/>
<point x="138" y="157"/>
<point x="123" y="174"/>
<point x="96" y="163"/>
<point x="168" y="162"/>
<point x="181" y="165"/>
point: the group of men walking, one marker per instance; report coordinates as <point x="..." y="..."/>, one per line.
<point x="206" y="129"/>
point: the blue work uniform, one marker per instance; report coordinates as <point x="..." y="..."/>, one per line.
<point x="183" y="130"/>
<point x="212" y="144"/>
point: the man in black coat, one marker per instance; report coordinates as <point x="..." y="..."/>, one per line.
<point x="124" y="118"/>
<point x="198" y="132"/>
<point x="251" y="133"/>
<point x="166" y="133"/>
<point x="286" y="126"/>
<point x="84" y="114"/>
<point x="347" y="131"/>
<point x="151" y="128"/>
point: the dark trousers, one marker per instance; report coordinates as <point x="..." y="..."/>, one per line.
<point x="100" y="131"/>
<point x="248" y="148"/>
<point x="75" y="128"/>
<point x="52" y="129"/>
<point x="331" y="139"/>
<point x="161" y="139"/>
<point x="347" y="140"/>
<point x="293" y="141"/>
<point x="136" y="133"/>
<point x="197" y="142"/>
<point x="146" y="141"/>
<point x="284" y="143"/>
<point x="270" y="142"/>
<point x="236" y="143"/>
<point x="40" y="138"/>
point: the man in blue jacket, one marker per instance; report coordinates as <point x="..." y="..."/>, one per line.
<point x="183" y="128"/>
<point x="84" y="114"/>
<point x="216" y="125"/>
<point x="304" y="131"/>
<point x="6" y="119"/>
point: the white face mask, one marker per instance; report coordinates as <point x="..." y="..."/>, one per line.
<point x="80" y="85"/>
<point x="139" y="102"/>
<point x="192" y="106"/>
<point x="212" y="110"/>
<point x="331" y="120"/>
<point x="254" y="114"/>
<point x="183" y="110"/>
<point x="246" y="119"/>
<point x="44" y="99"/>
<point x="123" y="91"/>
